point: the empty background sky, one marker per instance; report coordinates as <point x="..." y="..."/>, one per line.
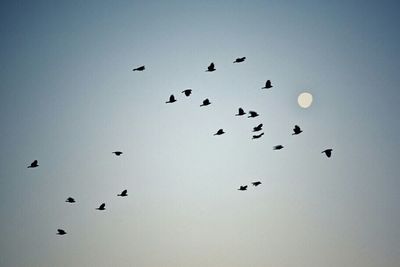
<point x="68" y="98"/>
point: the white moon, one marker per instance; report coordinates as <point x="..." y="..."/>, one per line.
<point x="305" y="100"/>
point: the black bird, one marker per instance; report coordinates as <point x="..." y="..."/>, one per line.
<point x="123" y="193"/>
<point x="240" y="59"/>
<point x="141" y="68"/>
<point x="252" y="114"/>
<point x="187" y="92"/>
<point x="70" y="200"/>
<point x="211" y="67"/>
<point x="220" y="131"/>
<point x="240" y="112"/>
<point x="258" y="128"/>
<point x="102" y="207"/>
<point x="256" y="183"/>
<point x="61" y="232"/>
<point x="278" y="147"/>
<point x="243" y="188"/>
<point x="296" y="130"/>
<point x="34" y="164"/>
<point x="171" y="99"/>
<point x="117" y="153"/>
<point x="268" y="85"/>
<point x="257" y="136"/>
<point x="206" y="102"/>
<point x="328" y="152"/>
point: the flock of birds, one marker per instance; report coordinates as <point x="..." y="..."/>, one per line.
<point x="251" y="114"/>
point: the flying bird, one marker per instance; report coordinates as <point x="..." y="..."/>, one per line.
<point x="256" y="183"/>
<point x="278" y="147"/>
<point x="328" y="152"/>
<point x="296" y="130"/>
<point x="34" y="164"/>
<point x="268" y="85"/>
<point x="243" y="188"/>
<point x="171" y="99"/>
<point x="117" y="153"/>
<point x="258" y="128"/>
<point x="123" y="193"/>
<point x="141" y="68"/>
<point x="211" y="67"/>
<point x="102" y="207"/>
<point x="61" y="232"/>
<point x="257" y="136"/>
<point x="252" y="114"/>
<point x="70" y="200"/>
<point x="187" y="92"/>
<point x="240" y="59"/>
<point x="240" y="112"/>
<point x="206" y="102"/>
<point x="220" y="131"/>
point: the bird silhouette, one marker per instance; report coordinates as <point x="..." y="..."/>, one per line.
<point x="123" y="193"/>
<point x="240" y="112"/>
<point x="296" y="130"/>
<point x="219" y="132"/>
<point x="61" y="232"/>
<point x="242" y="188"/>
<point x="34" y="164"/>
<point x="171" y="99"/>
<point x="211" y="67"/>
<point x="141" y="68"/>
<point x="70" y="200"/>
<point x="102" y="207"/>
<point x="268" y="85"/>
<point x="256" y="183"/>
<point x="239" y="59"/>
<point x="117" y="153"/>
<point x="187" y="92"/>
<point x="258" y="128"/>
<point x="328" y="152"/>
<point x="252" y="114"/>
<point x="206" y="102"/>
<point x="257" y="136"/>
<point x="278" y="147"/>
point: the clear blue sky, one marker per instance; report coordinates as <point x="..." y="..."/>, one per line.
<point x="68" y="98"/>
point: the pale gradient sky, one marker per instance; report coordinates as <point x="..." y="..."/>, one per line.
<point x="68" y="98"/>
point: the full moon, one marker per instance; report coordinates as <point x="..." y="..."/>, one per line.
<point x="305" y="100"/>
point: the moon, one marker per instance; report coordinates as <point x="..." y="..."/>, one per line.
<point x="305" y="100"/>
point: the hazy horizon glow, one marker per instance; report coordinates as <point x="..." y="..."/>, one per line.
<point x="69" y="98"/>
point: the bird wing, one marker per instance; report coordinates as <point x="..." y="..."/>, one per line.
<point x="212" y="65"/>
<point x="172" y="98"/>
<point x="124" y="192"/>
<point x="35" y="162"/>
<point x="102" y="206"/>
<point x="296" y="128"/>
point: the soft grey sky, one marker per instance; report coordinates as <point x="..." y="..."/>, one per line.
<point x="68" y="98"/>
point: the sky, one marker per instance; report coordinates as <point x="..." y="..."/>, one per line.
<point x="69" y="97"/>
